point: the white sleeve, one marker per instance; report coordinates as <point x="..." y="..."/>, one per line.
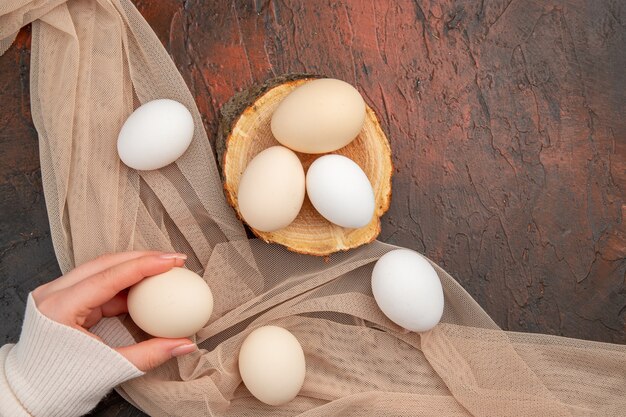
<point x="57" y="371"/>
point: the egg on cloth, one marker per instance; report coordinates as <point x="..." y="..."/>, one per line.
<point x="271" y="190"/>
<point x="155" y="135"/>
<point x="176" y="303"/>
<point x="340" y="191"/>
<point x="319" y="116"/>
<point x="272" y="365"/>
<point x="407" y="289"/>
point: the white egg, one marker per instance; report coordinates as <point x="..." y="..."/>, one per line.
<point x="176" y="303"/>
<point x="271" y="189"/>
<point x="272" y="365"/>
<point x="407" y="290"/>
<point x="155" y="135"/>
<point x="319" y="116"/>
<point x="340" y="191"/>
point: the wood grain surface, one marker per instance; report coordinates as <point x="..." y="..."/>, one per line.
<point x="507" y="121"/>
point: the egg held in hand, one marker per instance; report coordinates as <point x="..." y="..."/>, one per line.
<point x="319" y="116"/>
<point x="340" y="191"/>
<point x="272" y="365"/>
<point x="407" y="289"/>
<point x="271" y="189"/>
<point x="155" y="135"/>
<point x="176" y="303"/>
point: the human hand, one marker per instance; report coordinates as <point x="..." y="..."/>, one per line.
<point x="98" y="288"/>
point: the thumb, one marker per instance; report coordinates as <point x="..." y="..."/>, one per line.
<point x="151" y="353"/>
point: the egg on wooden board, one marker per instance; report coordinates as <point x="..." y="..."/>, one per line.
<point x="340" y="191"/>
<point x="155" y="135"/>
<point x="407" y="289"/>
<point x="272" y="365"/>
<point x="176" y="303"/>
<point x="271" y="189"/>
<point x="319" y="116"/>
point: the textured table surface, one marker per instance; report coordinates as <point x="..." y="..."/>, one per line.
<point x="507" y="121"/>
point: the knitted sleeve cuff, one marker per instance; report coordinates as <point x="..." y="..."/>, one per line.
<point x="55" y="370"/>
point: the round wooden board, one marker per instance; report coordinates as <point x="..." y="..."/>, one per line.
<point x="309" y="233"/>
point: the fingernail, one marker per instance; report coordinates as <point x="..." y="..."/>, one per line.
<point x="173" y="256"/>
<point x="184" y="349"/>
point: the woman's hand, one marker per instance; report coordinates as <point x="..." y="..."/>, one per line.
<point x="98" y="288"/>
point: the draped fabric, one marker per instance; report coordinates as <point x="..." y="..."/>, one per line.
<point x="92" y="63"/>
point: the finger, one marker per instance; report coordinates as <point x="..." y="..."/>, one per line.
<point x="92" y="267"/>
<point x="103" y="262"/>
<point x="96" y="290"/>
<point x="154" y="352"/>
<point x="92" y="318"/>
<point x="116" y="305"/>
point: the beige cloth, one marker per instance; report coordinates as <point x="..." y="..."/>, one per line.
<point x="93" y="61"/>
<point x="57" y="371"/>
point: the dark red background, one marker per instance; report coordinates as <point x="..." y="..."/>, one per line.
<point x="507" y="122"/>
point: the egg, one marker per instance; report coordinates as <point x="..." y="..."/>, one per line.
<point x="272" y="365"/>
<point x="407" y="290"/>
<point x="319" y="116"/>
<point x="340" y="191"/>
<point x="155" y="135"/>
<point x="271" y="189"/>
<point x="176" y="303"/>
